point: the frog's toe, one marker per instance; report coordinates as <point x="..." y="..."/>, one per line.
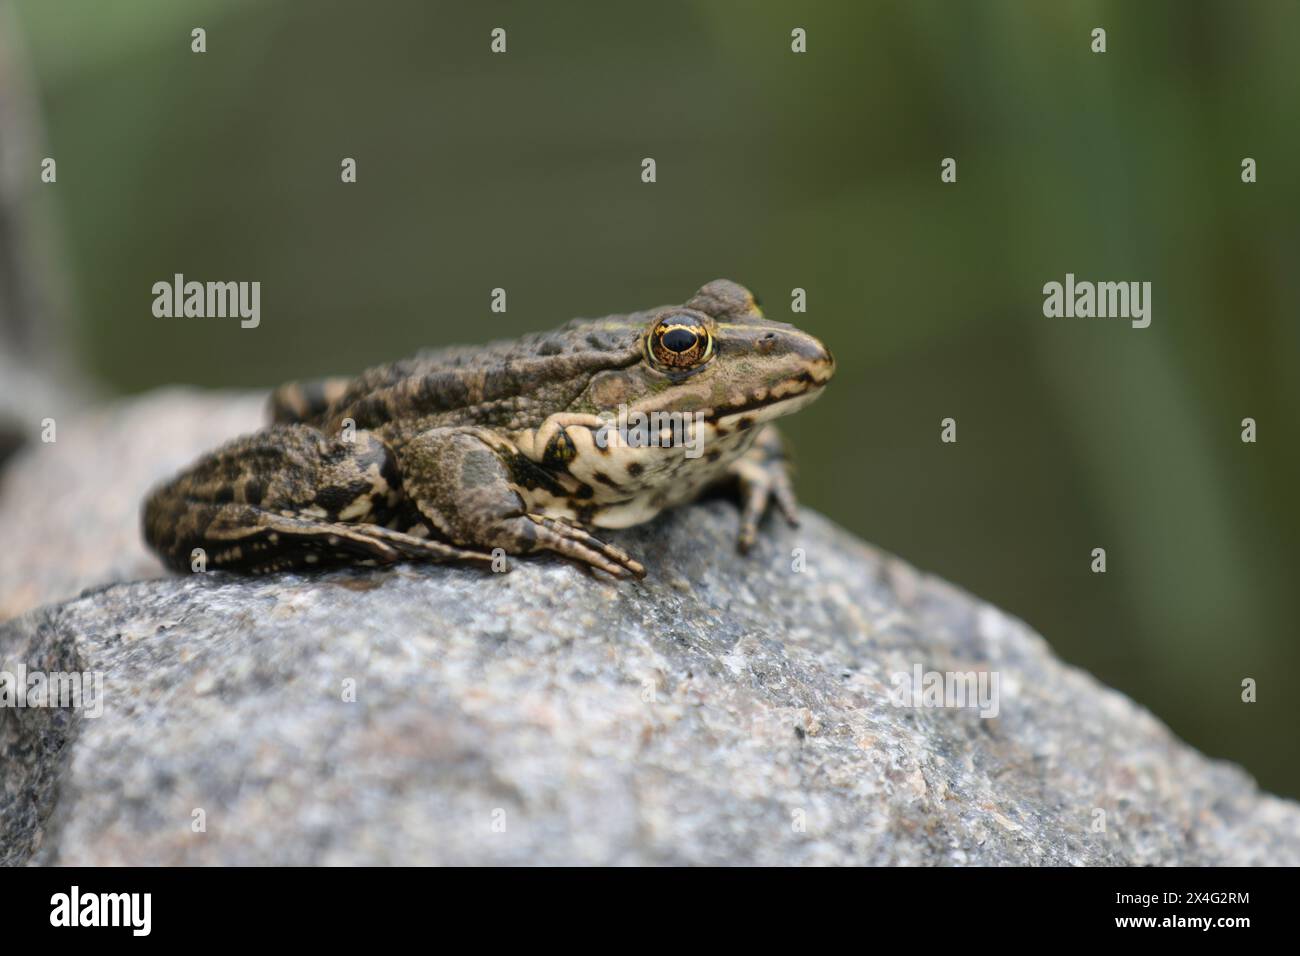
<point x="579" y="544"/>
<point x="764" y="479"/>
<point x="760" y="487"/>
<point x="785" y="500"/>
<point x="429" y="549"/>
<point x="754" y="506"/>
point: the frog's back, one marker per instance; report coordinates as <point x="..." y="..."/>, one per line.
<point x="509" y="383"/>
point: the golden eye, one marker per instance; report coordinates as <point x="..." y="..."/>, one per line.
<point x="679" y="341"/>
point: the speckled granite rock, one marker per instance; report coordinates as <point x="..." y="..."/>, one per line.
<point x="726" y="711"/>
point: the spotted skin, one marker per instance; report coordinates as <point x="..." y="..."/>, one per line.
<point x="470" y="453"/>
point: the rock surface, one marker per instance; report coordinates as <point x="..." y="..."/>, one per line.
<point x="726" y="711"/>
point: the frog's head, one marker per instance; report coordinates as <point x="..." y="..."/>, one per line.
<point x="716" y="354"/>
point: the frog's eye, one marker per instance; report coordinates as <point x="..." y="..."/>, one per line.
<point x="679" y="341"/>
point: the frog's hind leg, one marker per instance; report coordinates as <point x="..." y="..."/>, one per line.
<point x="244" y="538"/>
<point x="284" y="498"/>
<point x="259" y="542"/>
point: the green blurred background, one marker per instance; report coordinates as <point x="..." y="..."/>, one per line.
<point x="779" y="170"/>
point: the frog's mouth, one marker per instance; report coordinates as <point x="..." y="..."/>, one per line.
<point x="758" y="409"/>
<point x="766" y="404"/>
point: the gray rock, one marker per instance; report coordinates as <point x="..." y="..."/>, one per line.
<point x="726" y="711"/>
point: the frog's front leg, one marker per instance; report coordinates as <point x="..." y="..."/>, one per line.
<point x="472" y="486"/>
<point x="763" y="475"/>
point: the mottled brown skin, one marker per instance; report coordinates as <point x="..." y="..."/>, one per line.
<point x="454" y="453"/>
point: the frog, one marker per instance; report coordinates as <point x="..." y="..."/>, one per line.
<point x="480" y="454"/>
